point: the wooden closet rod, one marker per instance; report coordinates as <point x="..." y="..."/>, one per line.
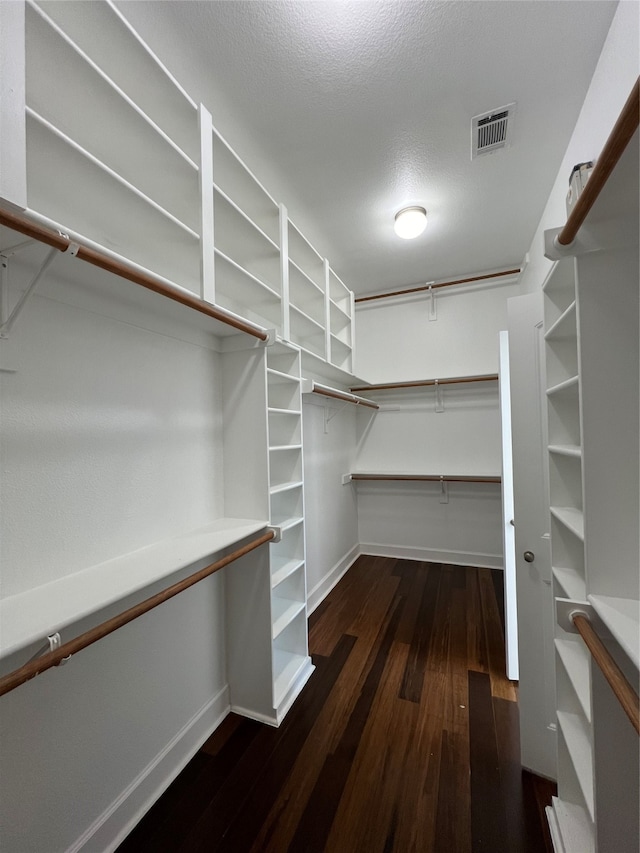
<point x="58" y="241"/>
<point x="436" y="478"/>
<point x="42" y="664"/>
<point x="490" y="377"/>
<point x="435" y="286"/>
<point x="618" y="139"/>
<point x="623" y="691"/>
<point x="316" y="388"/>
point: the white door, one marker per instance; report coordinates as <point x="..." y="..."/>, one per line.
<point x="533" y="554"/>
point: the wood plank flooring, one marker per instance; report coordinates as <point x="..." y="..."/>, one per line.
<point x="405" y="739"/>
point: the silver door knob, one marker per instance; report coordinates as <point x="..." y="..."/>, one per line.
<point x="529" y="556"/>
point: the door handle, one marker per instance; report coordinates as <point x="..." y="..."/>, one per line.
<point x="529" y="556"/>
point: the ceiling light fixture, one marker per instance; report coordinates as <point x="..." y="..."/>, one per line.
<point x="410" y="222"/>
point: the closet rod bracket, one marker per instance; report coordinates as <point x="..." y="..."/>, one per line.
<point x="444" y="491"/>
<point x="329" y="417"/>
<point x="277" y="532"/>
<point x="433" y="313"/>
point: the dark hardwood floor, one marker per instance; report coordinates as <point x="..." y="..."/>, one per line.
<point x="405" y="739"/>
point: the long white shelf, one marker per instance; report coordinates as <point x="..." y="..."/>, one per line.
<point x="575" y="658"/>
<point x="429" y="477"/>
<point x="31" y="616"/>
<point x="579" y="745"/>
<point x="622" y="618"/>
<point x="571" y="518"/>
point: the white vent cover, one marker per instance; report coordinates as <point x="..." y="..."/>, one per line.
<point x="491" y="131"/>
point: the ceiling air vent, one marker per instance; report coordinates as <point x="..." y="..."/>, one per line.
<point x="491" y="131"/>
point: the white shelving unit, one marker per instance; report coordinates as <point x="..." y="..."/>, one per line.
<point x="339" y="322"/>
<point x="94" y="131"/>
<point x="306" y="292"/>
<point x="246" y="239"/>
<point x="592" y="359"/>
<point x="291" y="664"/>
<point x="111" y="150"/>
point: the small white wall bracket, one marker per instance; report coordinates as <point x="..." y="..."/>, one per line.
<point x="329" y="417"/>
<point x="7" y="320"/>
<point x="346" y="479"/>
<point x="433" y="312"/>
<point x="444" y="491"/>
<point x="53" y="642"/>
<point x="277" y="532"/>
<point x="439" y="391"/>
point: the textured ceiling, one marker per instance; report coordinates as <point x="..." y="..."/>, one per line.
<point x="349" y="111"/>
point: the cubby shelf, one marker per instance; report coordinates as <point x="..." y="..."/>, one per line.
<point x="573" y="450"/>
<point x="578" y="740"/>
<point x="571" y="518"/>
<point x="283" y="568"/>
<point x="572" y="584"/>
<point x="284" y="612"/>
<point x="564" y="327"/>
<point x="285" y="487"/>
<point x="566" y="385"/>
<point x="575" y="659"/>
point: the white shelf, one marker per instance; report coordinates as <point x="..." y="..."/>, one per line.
<point x="287" y="668"/>
<point x="564" y="327"/>
<point x="242" y="286"/>
<point x="622" y="618"/>
<point x="288" y="523"/>
<point x="285" y="487"/>
<point x="574" y="730"/>
<point x="573" y="450"/>
<point x="276" y="376"/>
<point x="30" y="616"/>
<point x="575" y="659"/>
<point x="283" y="612"/>
<point x="276" y="411"/>
<point x="238" y="183"/>
<point x="567" y="385"/>
<point x="571" y="582"/>
<point x="219" y="192"/>
<point x="279" y="448"/>
<point x="282" y="568"/>
<point x="571" y="828"/>
<point x="571" y="518"/>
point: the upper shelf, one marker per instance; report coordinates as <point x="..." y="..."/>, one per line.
<point x="419" y="383"/>
<point x="136" y="275"/>
<point x="606" y="213"/>
<point x="31" y="616"/>
<point x="452" y="380"/>
<point x="309" y="386"/>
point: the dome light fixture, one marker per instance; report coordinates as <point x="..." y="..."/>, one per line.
<point x="410" y="222"/>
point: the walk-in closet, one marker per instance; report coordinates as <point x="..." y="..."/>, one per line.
<point x="311" y="535"/>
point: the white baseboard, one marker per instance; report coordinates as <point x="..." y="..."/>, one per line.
<point x="434" y="555"/>
<point x="322" y="589"/>
<point x="117" y="821"/>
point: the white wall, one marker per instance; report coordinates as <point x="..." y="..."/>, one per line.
<point x="396" y="341"/>
<point x="613" y="79"/>
<point x="331" y="512"/>
<point x="111" y="440"/>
